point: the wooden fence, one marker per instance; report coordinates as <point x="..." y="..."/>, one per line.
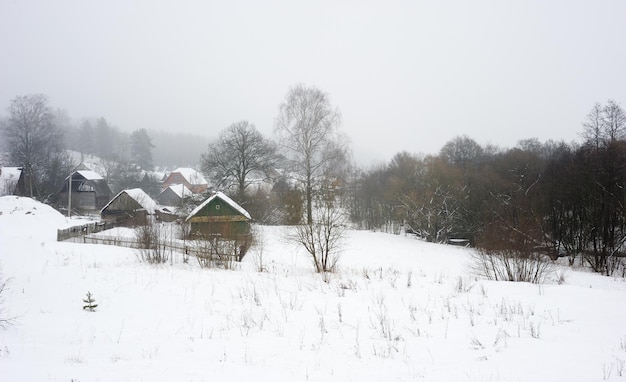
<point x="83" y="230"/>
<point x="85" y="233"/>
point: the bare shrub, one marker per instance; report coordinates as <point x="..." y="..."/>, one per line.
<point x="152" y="248"/>
<point x="216" y="252"/>
<point x="4" y="320"/>
<point x="258" y="247"/>
<point x="507" y="252"/>
<point x="323" y="238"/>
<point x="511" y="265"/>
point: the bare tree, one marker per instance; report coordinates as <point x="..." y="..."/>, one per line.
<point x="323" y="239"/>
<point x="307" y="127"/>
<point x="614" y="121"/>
<point x="604" y="124"/>
<point x="593" y="126"/>
<point x="239" y="151"/>
<point x="32" y="137"/>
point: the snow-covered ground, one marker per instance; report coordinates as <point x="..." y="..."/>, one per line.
<point x="397" y="309"/>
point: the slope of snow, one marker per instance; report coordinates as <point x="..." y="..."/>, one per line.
<point x="397" y="310"/>
<point x="26" y="218"/>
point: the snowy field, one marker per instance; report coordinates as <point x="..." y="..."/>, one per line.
<point x="397" y="310"/>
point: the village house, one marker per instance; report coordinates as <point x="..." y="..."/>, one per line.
<point x="220" y="218"/>
<point x="191" y="178"/>
<point x="89" y="191"/>
<point x="129" y="207"/>
<point x="174" y="195"/>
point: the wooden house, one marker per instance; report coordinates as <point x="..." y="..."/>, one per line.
<point x="89" y="191"/>
<point x="11" y="181"/>
<point x="129" y="207"/>
<point x="220" y="218"/>
<point x="191" y="178"/>
<point x="174" y="195"/>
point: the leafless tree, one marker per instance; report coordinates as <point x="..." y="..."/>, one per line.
<point x="614" y="121"/>
<point x="239" y="151"/>
<point x="593" y="126"/>
<point x="307" y="127"/>
<point x="32" y="137"/>
<point x="604" y="124"/>
<point x="323" y="239"/>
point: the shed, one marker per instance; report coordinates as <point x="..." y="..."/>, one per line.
<point x="89" y="191"/>
<point x="220" y="217"/>
<point x="174" y="195"/>
<point x="129" y="207"/>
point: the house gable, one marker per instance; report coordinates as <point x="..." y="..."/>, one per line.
<point x="89" y="191"/>
<point x="220" y="216"/>
<point x="131" y="200"/>
<point x="228" y="203"/>
<point x="130" y="207"/>
<point x="191" y="178"/>
<point x="123" y="202"/>
<point x="217" y="210"/>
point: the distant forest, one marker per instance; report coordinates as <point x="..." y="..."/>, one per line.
<point x="98" y="137"/>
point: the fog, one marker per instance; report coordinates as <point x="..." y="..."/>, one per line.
<point x="405" y="75"/>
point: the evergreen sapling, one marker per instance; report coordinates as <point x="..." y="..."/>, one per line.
<point x="90" y="303"/>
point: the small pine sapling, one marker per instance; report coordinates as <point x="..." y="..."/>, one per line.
<point x="90" y="303"/>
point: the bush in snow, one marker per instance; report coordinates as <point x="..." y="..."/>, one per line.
<point x="511" y="265"/>
<point x="258" y="246"/>
<point x="152" y="249"/>
<point x="514" y="247"/>
<point x="4" y="321"/>
<point x="323" y="238"/>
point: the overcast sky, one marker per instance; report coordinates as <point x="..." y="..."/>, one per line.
<point x="406" y="75"/>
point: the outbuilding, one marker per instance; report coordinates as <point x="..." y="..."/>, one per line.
<point x="129" y="207"/>
<point x="174" y="195"/>
<point x="89" y="191"/>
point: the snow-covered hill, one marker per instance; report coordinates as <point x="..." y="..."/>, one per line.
<point x="398" y="309"/>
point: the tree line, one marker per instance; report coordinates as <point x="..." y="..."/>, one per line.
<point x="37" y="139"/>
<point x="555" y="198"/>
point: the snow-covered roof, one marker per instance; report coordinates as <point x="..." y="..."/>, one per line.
<point x="10" y="174"/>
<point x="226" y="199"/>
<point x="192" y="176"/>
<point x="179" y="189"/>
<point x="88" y="175"/>
<point x="138" y="195"/>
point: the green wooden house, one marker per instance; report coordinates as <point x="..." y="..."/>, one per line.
<point x="220" y="218"/>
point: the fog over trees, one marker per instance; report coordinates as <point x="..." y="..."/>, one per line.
<point x="537" y="198"/>
<point x="36" y="143"/>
